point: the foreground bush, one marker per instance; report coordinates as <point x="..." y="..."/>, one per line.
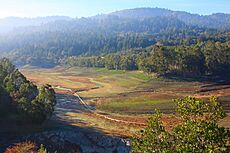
<point x="26" y="147"/>
<point x="198" y="132"/>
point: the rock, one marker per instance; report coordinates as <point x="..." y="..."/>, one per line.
<point x="123" y="149"/>
<point x="86" y="141"/>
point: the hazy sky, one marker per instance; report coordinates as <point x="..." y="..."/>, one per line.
<point x="79" y="8"/>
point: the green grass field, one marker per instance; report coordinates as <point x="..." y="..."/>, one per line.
<point x="136" y="106"/>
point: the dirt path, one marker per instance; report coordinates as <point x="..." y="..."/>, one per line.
<point x="83" y="107"/>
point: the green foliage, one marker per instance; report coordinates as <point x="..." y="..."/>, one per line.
<point x="126" y="44"/>
<point x="191" y="108"/>
<point x="198" y="132"/>
<point x="100" y="35"/>
<point x="191" y="60"/>
<point x="217" y="57"/>
<point x="23" y="97"/>
<point x="43" y="104"/>
<point x="10" y="86"/>
<point x="154" y="138"/>
<point x="5" y="68"/>
<point x="4" y="102"/>
<point x="201" y="136"/>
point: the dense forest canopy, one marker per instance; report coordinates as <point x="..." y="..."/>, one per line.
<point x="192" y="44"/>
<point x="21" y="99"/>
<point x="207" y="58"/>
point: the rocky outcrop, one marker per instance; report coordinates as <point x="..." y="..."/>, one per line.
<point x="79" y="140"/>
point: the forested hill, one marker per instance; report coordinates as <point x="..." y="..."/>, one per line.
<point x="218" y="20"/>
<point x="48" y="43"/>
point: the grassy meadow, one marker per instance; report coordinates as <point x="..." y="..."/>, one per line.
<point x="112" y="90"/>
<point x="120" y="91"/>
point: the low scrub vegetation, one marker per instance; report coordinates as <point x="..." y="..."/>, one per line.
<point x="26" y="147"/>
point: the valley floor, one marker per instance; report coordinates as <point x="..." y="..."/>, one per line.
<point x="120" y="102"/>
<point x="112" y="105"/>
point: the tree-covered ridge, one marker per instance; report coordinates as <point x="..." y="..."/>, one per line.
<point x="47" y="44"/>
<point x="90" y="37"/>
<point x="203" y="58"/>
<point x="217" y="20"/>
<point x="21" y="97"/>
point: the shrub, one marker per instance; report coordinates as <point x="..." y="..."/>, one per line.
<point x="198" y="132"/>
<point x="26" y="147"/>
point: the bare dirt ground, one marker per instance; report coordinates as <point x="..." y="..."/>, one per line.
<point x="72" y="111"/>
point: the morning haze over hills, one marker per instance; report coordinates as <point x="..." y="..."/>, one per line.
<point x="23" y="39"/>
<point x="98" y="84"/>
<point x="215" y="20"/>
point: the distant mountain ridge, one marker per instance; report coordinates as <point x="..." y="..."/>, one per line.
<point x="217" y="20"/>
<point x="49" y="39"/>
<point x="9" y="23"/>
